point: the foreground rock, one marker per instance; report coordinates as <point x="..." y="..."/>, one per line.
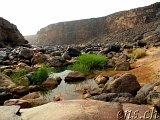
<point x="9" y="113"/>
<point x="73" y="110"/>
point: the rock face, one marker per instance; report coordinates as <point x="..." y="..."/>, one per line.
<point x="10" y="35"/>
<point x="123" y="26"/>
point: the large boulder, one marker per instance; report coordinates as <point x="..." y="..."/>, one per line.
<point x="10" y="35"/>
<point x="26" y="53"/>
<point x="72" y="52"/>
<point x="127" y="83"/>
<point x="73" y="110"/>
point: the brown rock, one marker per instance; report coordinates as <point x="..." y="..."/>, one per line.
<point x="33" y="95"/>
<point x="51" y="83"/>
<point x="5" y="81"/>
<point x="34" y="88"/>
<point x="38" y="58"/>
<point x="101" y="79"/>
<point x="73" y="110"/>
<point x="75" y="76"/>
<point x="20" y="90"/>
<point x="21" y="103"/>
<point x="25" y="103"/>
<point x="127" y="83"/>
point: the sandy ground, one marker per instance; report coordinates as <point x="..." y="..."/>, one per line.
<point x="147" y="69"/>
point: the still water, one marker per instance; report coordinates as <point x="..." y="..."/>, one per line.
<point x="69" y="91"/>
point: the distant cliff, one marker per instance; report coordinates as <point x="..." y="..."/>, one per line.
<point x="121" y="26"/>
<point x="10" y="35"/>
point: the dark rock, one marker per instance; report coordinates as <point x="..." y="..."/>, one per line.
<point x="26" y="53"/>
<point x="20" y="90"/>
<point x="115" y="97"/>
<point x="5" y="94"/>
<point x="34" y="88"/>
<point x="124" y="66"/>
<point x="144" y="91"/>
<point x="127" y="83"/>
<point x="141" y="43"/>
<point x="72" y="52"/>
<point x="58" y="62"/>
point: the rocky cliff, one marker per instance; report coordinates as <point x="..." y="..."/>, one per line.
<point x="117" y="27"/>
<point x="10" y="35"/>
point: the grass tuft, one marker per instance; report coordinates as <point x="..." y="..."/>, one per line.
<point x="40" y="75"/>
<point x="138" y="53"/>
<point x="17" y="76"/>
<point x="86" y="63"/>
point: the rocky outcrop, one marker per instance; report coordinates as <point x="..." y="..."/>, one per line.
<point x="121" y="26"/>
<point x="10" y="35"/>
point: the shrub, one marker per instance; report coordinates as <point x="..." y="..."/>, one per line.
<point x="40" y="75"/>
<point x="17" y="76"/>
<point x="88" y="62"/>
<point x="138" y="53"/>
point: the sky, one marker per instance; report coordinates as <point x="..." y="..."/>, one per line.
<point x="31" y="15"/>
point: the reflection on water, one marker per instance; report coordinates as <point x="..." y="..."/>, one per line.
<point x="68" y="91"/>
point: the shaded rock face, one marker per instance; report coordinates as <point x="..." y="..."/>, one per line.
<point x="10" y="35"/>
<point x="121" y="26"/>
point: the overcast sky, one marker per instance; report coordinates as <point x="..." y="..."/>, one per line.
<point x="31" y="15"/>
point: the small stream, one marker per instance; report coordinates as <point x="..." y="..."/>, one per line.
<point x="68" y="91"/>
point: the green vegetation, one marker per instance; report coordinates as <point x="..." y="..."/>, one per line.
<point x="37" y="77"/>
<point x="138" y="53"/>
<point x="86" y="63"/>
<point x="17" y="76"/>
<point x="40" y="75"/>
